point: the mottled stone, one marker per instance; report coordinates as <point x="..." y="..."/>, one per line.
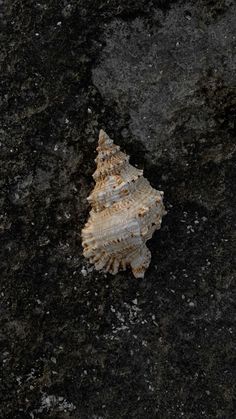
<point x="173" y="77"/>
<point x="158" y="75"/>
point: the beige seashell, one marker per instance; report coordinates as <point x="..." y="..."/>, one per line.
<point x="126" y="211"/>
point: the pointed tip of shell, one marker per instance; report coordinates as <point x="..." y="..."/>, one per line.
<point x="104" y="139"/>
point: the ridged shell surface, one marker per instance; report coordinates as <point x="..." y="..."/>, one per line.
<point x="125" y="212"/>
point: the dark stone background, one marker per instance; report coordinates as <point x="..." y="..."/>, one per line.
<point x="158" y="76"/>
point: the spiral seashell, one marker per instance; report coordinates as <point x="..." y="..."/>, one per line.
<point x="125" y="212"/>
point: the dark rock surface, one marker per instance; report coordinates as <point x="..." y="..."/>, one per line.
<point x="158" y="76"/>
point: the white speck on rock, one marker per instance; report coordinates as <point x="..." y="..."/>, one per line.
<point x="52" y="403"/>
<point x="84" y="272"/>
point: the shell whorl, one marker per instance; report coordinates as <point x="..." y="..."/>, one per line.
<point x="125" y="212"/>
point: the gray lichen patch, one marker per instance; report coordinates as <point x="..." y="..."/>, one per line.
<point x="172" y="77"/>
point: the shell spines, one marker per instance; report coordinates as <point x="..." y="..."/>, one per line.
<point x="125" y="212"/>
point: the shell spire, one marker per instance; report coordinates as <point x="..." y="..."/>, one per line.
<point x="125" y="212"/>
<point x="104" y="139"/>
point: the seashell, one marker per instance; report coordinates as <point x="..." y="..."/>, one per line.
<point x="125" y="212"/>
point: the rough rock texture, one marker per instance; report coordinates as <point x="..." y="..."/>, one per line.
<point x="158" y="75"/>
